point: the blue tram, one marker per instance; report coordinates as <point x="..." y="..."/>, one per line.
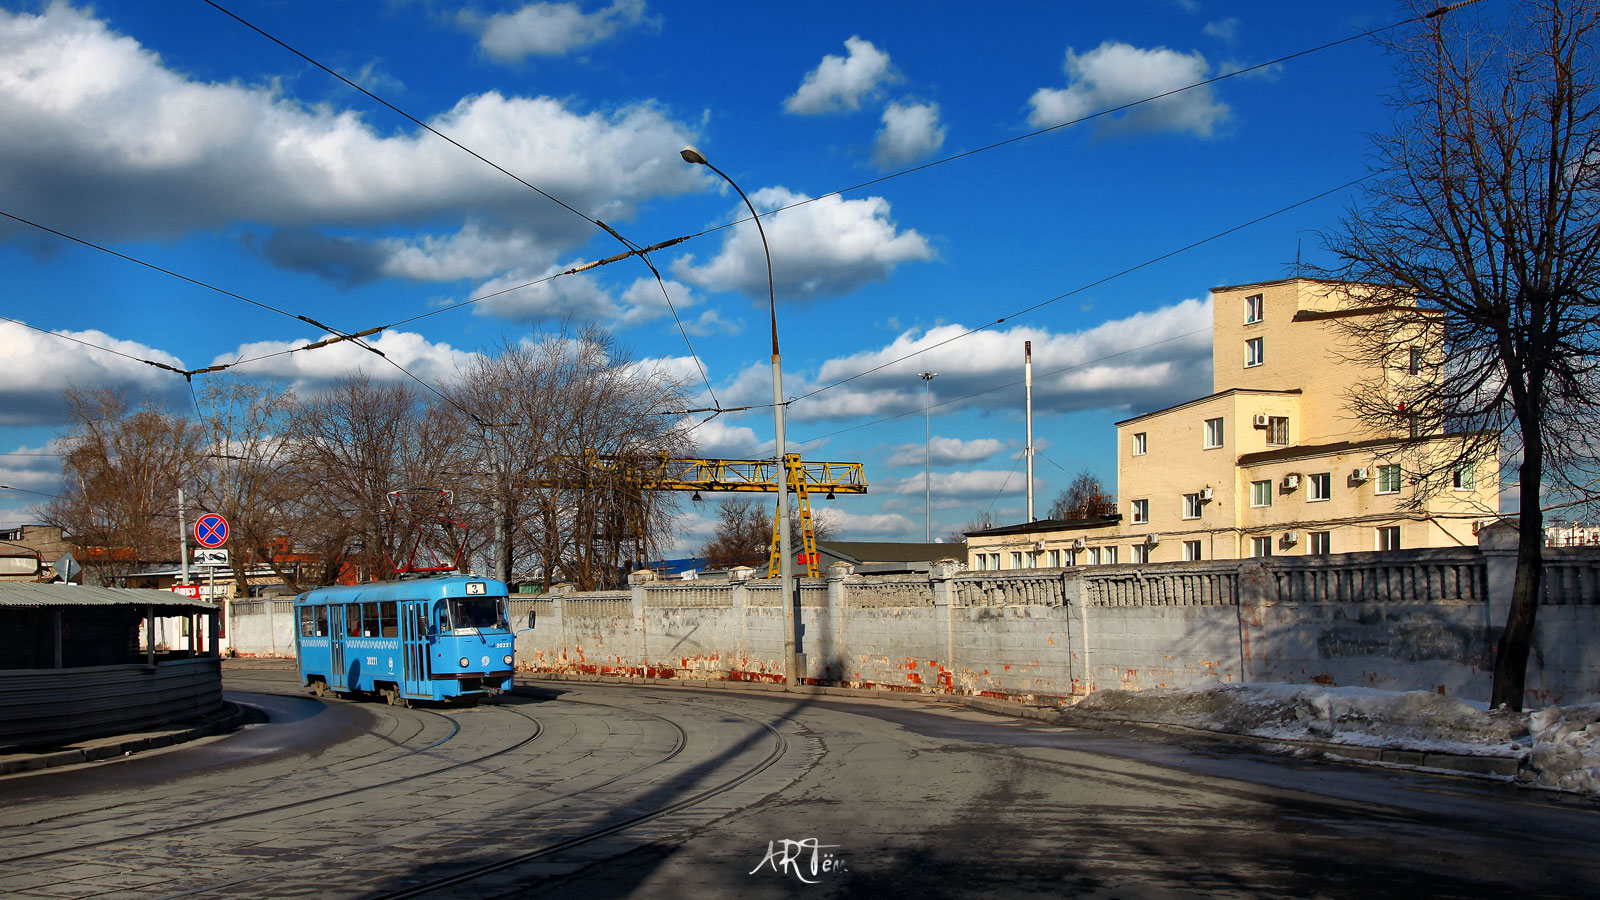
<point x="428" y="639"/>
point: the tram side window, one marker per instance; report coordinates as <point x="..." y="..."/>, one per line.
<point x="352" y="620"/>
<point x="441" y="611"/>
<point x="308" y="622"/>
<point x="369" y="620"/>
<point x="322" y="621"/>
<point x="391" y="621"/>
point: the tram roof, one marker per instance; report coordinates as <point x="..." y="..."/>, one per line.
<point x="40" y="594"/>
<point x="435" y="588"/>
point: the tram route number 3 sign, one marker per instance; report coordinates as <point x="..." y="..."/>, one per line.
<point x="211" y="530"/>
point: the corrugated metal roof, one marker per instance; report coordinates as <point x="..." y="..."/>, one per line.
<point x="24" y="593"/>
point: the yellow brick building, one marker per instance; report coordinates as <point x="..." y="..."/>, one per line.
<point x="1272" y="462"/>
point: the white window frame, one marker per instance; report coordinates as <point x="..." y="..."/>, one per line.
<point x="1321" y="487"/>
<point x="1111" y="555"/>
<point x="1140" y="512"/>
<point x="1141" y="553"/>
<point x="1212" y="434"/>
<point x="1261" y="546"/>
<point x="1055" y="559"/>
<point x="1464" y="478"/>
<point x="1192" y="506"/>
<point x="1258" y="490"/>
<point x="994" y="561"/>
<point x="1094" y="556"/>
<point x="1314" y="538"/>
<point x="1016" y="559"/>
<point x="1254" y="309"/>
<point x="1255" y="352"/>
<point x="1192" y="551"/>
<point x="1384" y="473"/>
<point x="1414" y="362"/>
<point x="1388" y="537"/>
<point x="1140" y="443"/>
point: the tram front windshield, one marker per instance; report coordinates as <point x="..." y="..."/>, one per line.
<point x="478" y="612"/>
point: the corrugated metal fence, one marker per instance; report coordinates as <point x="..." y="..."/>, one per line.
<point x="61" y="706"/>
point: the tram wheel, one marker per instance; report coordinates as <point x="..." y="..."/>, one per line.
<point x="393" y="698"/>
<point x="320" y="688"/>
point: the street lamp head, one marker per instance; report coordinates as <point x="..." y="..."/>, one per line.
<point x="691" y="155"/>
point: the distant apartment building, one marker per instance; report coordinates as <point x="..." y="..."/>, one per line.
<point x="1273" y="461"/>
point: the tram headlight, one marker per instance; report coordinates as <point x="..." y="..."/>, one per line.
<point x="465" y="662"/>
<point x="508" y="659"/>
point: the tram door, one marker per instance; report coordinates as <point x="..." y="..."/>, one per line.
<point x="338" y="673"/>
<point x="414" y="647"/>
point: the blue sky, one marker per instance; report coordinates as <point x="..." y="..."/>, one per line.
<point x="172" y="133"/>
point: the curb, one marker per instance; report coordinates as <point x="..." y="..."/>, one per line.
<point x="1490" y="766"/>
<point x="230" y="717"/>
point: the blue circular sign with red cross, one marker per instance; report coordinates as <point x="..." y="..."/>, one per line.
<point x="211" y="530"/>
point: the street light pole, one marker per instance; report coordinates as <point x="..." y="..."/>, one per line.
<point x="791" y="674"/>
<point x="927" y="458"/>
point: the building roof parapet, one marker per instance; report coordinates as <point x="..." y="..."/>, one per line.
<point x="1044" y="525"/>
<point x="1199" y="400"/>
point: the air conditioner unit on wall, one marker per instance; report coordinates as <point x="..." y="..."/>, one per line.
<point x="1038" y="546"/>
<point x="1153" y="539"/>
<point x="1291" y="537"/>
<point x="1205" y="493"/>
<point x="1290" y="482"/>
<point x="1261" y="420"/>
<point x="1079" y="544"/>
<point x="1360" y="474"/>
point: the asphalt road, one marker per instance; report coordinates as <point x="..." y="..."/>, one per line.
<point x="600" y="791"/>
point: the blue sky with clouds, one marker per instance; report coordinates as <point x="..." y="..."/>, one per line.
<point x="173" y="133"/>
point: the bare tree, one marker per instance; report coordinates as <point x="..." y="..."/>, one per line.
<point x="1080" y="498"/>
<point x="743" y="536"/>
<point x="1477" y="255"/>
<point x="121" y="469"/>
<point x="983" y="521"/>
<point x="245" y="475"/>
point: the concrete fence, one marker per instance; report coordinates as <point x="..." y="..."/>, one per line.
<point x="1406" y="620"/>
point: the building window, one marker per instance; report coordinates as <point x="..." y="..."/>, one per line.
<point x="1254" y="353"/>
<point x="1072" y="557"/>
<point x="1191" y="506"/>
<point x="1191" y="551"/>
<point x="1389" y="537"/>
<point x="1388" y="480"/>
<point x="1111" y="556"/>
<point x="1278" y="430"/>
<point x="1321" y="486"/>
<point x="1141" y="553"/>
<point x="1139" y="444"/>
<point x="1094" y="556"/>
<point x="1055" y="559"/>
<point x="1213" y="433"/>
<point x="1321" y="543"/>
<point x="1261" y="493"/>
<point x="1261" y="546"/>
<point x="1252" y="309"/>
<point x="1016" y="559"/>
<point x="994" y="561"/>
<point x="1141" y="512"/>
<point x="1414" y="365"/>
<point x="1463" y="478"/>
<point x="1414" y="425"/>
<point x="983" y="562"/>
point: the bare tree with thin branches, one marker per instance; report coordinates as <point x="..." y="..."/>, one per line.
<point x="1477" y="251"/>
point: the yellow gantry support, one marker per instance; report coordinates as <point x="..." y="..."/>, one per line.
<point x="738" y="476"/>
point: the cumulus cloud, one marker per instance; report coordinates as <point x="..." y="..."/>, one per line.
<point x="39" y="366"/>
<point x="972" y="484"/>
<point x="1146" y="361"/>
<point x="87" y="115"/>
<point x="1115" y="73"/>
<point x="910" y="132"/>
<point x="946" y="450"/>
<point x="435" y="363"/>
<point x="551" y="29"/>
<point x="850" y="526"/>
<point x="721" y="439"/>
<point x="1225" y="29"/>
<point x="840" y="83"/>
<point x="827" y="247"/>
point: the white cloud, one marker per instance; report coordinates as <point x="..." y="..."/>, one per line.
<point x="1147" y="361"/>
<point x="946" y="450"/>
<point x="551" y="29"/>
<point x="850" y="526"/>
<point x="39" y="367"/>
<point x="976" y="483"/>
<point x="87" y="114"/>
<point x="514" y="295"/>
<point x="721" y="439"/>
<point x="841" y="82"/>
<point x="910" y="132"/>
<point x="1114" y="73"/>
<point x="827" y="247"/>
<point x="434" y="363"/>
<point x="1225" y="29"/>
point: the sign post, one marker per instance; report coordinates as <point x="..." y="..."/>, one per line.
<point x="211" y="532"/>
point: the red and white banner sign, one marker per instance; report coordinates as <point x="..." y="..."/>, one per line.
<point x="191" y="591"/>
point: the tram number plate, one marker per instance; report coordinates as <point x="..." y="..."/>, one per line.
<point x="477" y="587"/>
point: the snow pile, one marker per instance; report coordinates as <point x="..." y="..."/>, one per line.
<point x="1566" y="749"/>
<point x="1411" y="720"/>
